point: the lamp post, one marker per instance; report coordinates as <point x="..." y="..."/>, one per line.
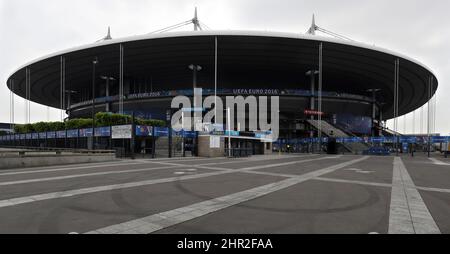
<point x="108" y="79"/>
<point x="195" y="69"/>
<point x="229" y="131"/>
<point x="313" y="74"/>
<point x="94" y="64"/>
<point x="197" y="105"/>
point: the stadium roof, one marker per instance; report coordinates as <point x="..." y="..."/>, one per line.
<point x="245" y="58"/>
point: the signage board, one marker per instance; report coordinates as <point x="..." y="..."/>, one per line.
<point x="121" y="132"/>
<point x="214" y="142"/>
<point x="232" y="133"/>
<point x="313" y="113"/>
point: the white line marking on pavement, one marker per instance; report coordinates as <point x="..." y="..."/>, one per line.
<point x="370" y="183"/>
<point x="260" y="159"/>
<point x="70" y="193"/>
<point x="433" y="189"/>
<point x="240" y="160"/>
<point x="189" y="171"/>
<point x="408" y="213"/>
<point x="163" y="220"/>
<point x="325" y="179"/>
<point x="66" y="165"/>
<point x="282" y="164"/>
<point x="209" y="165"/>
<point x="438" y="162"/>
<point x="359" y="171"/>
<point x="82" y="175"/>
<point x="250" y="169"/>
<point x="271" y="174"/>
<point x="69" y="168"/>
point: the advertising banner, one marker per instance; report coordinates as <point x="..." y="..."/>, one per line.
<point x="439" y="139"/>
<point x="61" y="134"/>
<point x="35" y="135"/>
<point x="72" y="133"/>
<point x="84" y="133"/>
<point x="144" y="131"/>
<point x="51" y="135"/>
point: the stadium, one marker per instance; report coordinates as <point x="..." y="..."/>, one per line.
<point x="326" y="85"/>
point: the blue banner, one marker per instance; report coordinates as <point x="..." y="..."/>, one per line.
<point x="232" y="133"/>
<point x="51" y="134"/>
<point x="35" y="135"/>
<point x="72" y="133"/>
<point x="42" y="135"/>
<point x="377" y="139"/>
<point x="84" y="133"/>
<point x="439" y="139"/>
<point x="61" y="134"/>
<point x="161" y="132"/>
<point x="103" y="132"/>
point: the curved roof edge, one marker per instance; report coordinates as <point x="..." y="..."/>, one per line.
<point x="226" y="33"/>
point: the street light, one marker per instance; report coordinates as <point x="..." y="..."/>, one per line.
<point x="94" y="64"/>
<point x="313" y="74"/>
<point x="229" y="131"/>
<point x="195" y="69"/>
<point x="108" y="79"/>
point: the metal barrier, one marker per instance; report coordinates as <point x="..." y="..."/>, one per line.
<point x="29" y="152"/>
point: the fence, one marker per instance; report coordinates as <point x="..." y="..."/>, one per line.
<point x="146" y="141"/>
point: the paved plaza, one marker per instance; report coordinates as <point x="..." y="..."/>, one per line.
<point x="274" y="194"/>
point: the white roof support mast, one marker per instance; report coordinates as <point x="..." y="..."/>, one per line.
<point x="312" y="31"/>
<point x="198" y="25"/>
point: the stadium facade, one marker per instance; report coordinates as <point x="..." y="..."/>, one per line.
<point x="361" y="86"/>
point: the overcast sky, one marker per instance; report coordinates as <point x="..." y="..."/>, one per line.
<point x="33" y="28"/>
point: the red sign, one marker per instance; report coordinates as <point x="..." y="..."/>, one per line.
<point x="314" y="112"/>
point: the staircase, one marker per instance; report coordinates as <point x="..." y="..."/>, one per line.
<point x="389" y="133"/>
<point x="327" y="129"/>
